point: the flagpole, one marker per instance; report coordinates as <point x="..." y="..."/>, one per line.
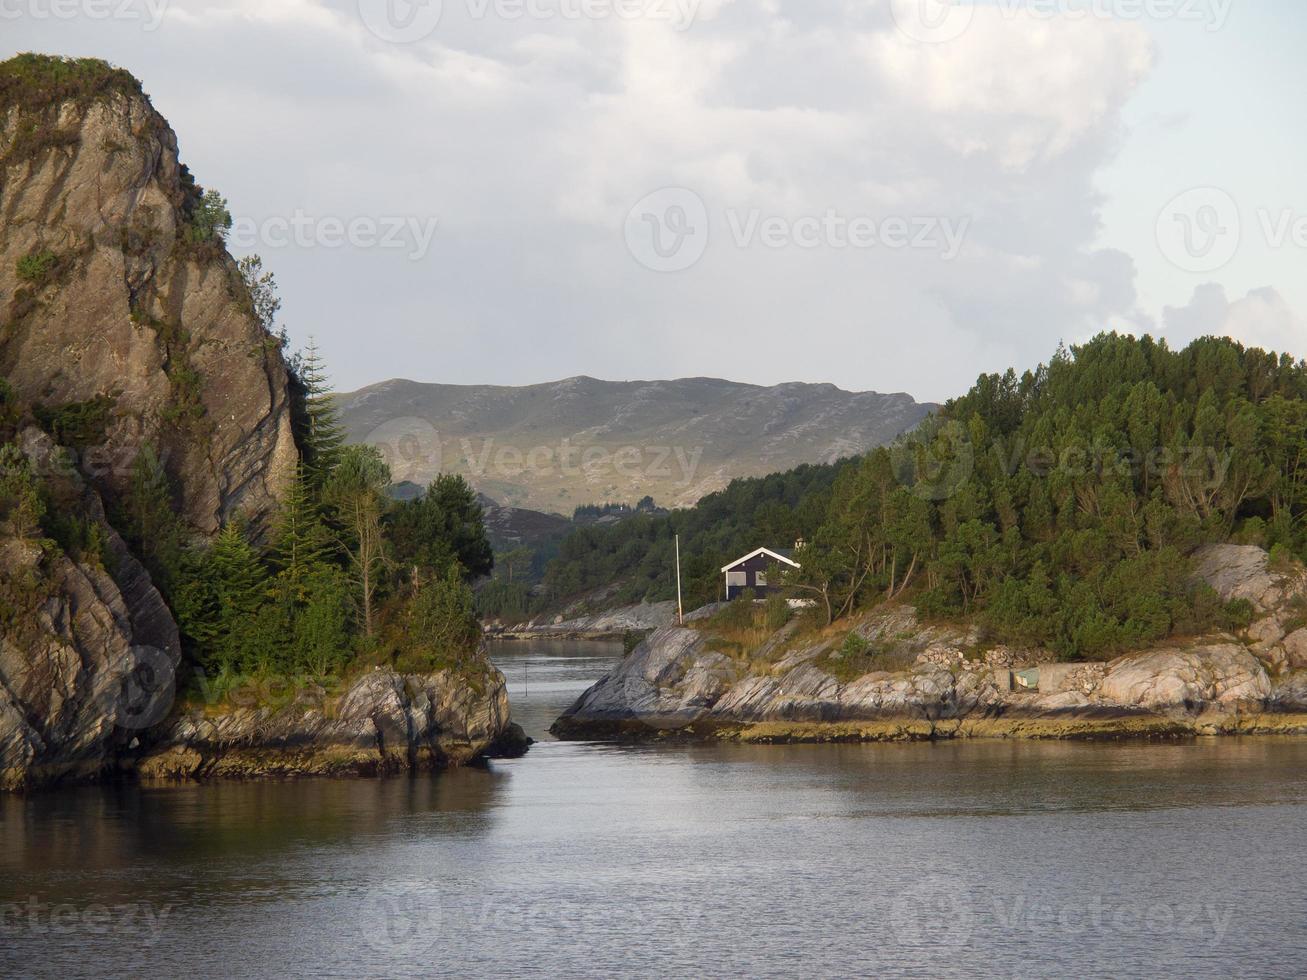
<point x="680" y="609"/>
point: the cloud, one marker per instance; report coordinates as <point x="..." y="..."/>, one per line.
<point x="531" y="139"/>
<point x="1260" y="319"/>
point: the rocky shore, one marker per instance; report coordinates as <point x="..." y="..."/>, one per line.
<point x="931" y="682"/>
<point x="386" y="723"/>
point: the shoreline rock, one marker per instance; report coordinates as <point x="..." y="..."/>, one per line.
<point x="935" y="682"/>
<point x="385" y="724"/>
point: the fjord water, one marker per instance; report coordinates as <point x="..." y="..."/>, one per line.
<point x="1010" y="859"/>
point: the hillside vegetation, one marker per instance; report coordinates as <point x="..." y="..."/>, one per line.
<point x="1059" y="507"/>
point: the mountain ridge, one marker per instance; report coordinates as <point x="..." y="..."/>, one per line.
<point x="557" y="445"/>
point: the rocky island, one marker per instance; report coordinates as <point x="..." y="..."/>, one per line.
<point x="911" y="680"/>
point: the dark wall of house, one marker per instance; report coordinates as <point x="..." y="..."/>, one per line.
<point x="768" y="567"/>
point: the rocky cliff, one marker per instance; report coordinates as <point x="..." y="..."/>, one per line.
<point x="112" y="292"/>
<point x="125" y="325"/>
<point x="918" y="681"/>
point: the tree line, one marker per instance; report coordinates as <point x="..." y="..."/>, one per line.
<point x="1060" y="507"/>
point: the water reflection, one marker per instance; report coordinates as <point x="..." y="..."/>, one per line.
<point x="958" y="859"/>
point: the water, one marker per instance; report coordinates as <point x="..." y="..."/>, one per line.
<point x="1005" y="859"/>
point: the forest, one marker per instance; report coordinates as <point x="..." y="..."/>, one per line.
<point x="1060" y="507"/>
<point x="342" y="577"/>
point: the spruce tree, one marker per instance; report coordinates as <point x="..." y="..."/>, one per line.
<point x="323" y="435"/>
<point x="240" y="587"/>
<point x="301" y="543"/>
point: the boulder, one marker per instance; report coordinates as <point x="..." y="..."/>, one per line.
<point x="1220" y="674"/>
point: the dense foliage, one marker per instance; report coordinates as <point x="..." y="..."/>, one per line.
<point x="342" y="576"/>
<point x="635" y="559"/>
<point x="36" y="81"/>
<point x="1059" y="507"/>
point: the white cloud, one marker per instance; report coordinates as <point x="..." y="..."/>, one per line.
<point x="1262" y="318"/>
<point x="530" y="140"/>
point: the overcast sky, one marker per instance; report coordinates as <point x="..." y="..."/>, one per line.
<point x="889" y="196"/>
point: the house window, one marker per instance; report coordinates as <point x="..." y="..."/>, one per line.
<point x="761" y="579"/>
<point x="737" y="579"/>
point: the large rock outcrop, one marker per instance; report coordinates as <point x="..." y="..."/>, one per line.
<point x="384" y="723"/>
<point x="124" y="325"/>
<point x="89" y="649"/>
<point x="110" y="290"/>
<point x="931" y="681"/>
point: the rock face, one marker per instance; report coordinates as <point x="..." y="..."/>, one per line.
<point x="105" y="294"/>
<point x="88" y="657"/>
<point x="122" y="314"/>
<point x="930" y="681"/>
<point x="385" y="723"/>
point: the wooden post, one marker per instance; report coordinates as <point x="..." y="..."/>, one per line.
<point x="680" y="610"/>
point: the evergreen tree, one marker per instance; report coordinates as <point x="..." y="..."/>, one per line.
<point x="240" y="588"/>
<point x="301" y="542"/>
<point x="445" y="524"/>
<point x="322" y="438"/>
<point x="323" y="628"/>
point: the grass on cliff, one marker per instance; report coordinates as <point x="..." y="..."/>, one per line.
<point x="32" y="82"/>
<point x="857" y="657"/>
<point x="743" y="626"/>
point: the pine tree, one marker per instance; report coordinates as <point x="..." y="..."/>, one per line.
<point x="301" y="542"/>
<point x="323" y="435"/>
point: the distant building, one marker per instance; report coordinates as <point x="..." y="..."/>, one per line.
<point x="759" y="570"/>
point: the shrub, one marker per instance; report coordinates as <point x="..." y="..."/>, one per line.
<point x="33" y="81"/>
<point x="37" y="267"/>
<point x="854" y="645"/>
<point x="777" y="613"/>
<point x="79" y="425"/>
<point x="442" y="627"/>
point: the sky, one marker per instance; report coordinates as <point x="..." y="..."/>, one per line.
<point x="889" y="195"/>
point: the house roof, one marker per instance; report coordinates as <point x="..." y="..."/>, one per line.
<point x="762" y="551"/>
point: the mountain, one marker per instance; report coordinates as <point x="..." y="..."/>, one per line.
<point x="554" y="447"/>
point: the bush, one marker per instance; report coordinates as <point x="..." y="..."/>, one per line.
<point x="777" y="612"/>
<point x="442" y="626"/>
<point x="37" y="267"/>
<point x="854" y="645"/>
<point x="78" y="425"/>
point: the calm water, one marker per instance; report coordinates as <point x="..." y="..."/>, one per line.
<point x="594" y="861"/>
